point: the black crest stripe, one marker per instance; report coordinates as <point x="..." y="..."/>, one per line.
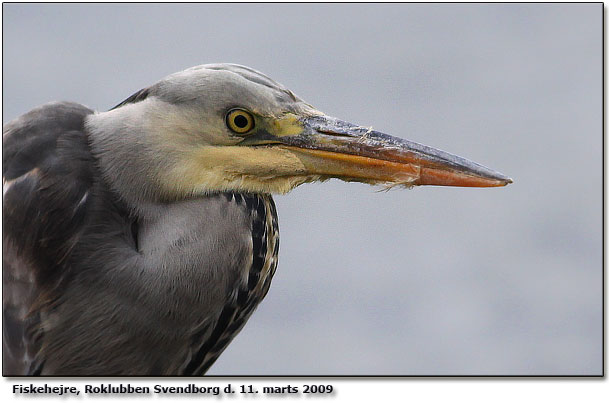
<point x="137" y="97"/>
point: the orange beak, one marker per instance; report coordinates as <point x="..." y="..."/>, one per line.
<point x="329" y="147"/>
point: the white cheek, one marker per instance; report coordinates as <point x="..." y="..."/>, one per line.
<point x="180" y="128"/>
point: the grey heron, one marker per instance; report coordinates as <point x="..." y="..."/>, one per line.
<point x="138" y="241"/>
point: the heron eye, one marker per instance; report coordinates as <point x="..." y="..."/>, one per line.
<point x="239" y="121"/>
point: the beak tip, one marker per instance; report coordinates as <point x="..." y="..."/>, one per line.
<point x="507" y="180"/>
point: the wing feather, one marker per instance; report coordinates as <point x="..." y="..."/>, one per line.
<point x="46" y="182"/>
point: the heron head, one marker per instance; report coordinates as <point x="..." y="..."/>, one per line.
<point x="224" y="127"/>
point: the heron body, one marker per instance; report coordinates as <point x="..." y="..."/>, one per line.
<point x="138" y="241"/>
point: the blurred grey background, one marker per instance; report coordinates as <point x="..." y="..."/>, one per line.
<point x="429" y="281"/>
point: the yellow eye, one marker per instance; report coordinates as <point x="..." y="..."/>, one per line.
<point x="239" y="121"/>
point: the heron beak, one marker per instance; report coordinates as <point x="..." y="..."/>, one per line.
<point x="330" y="147"/>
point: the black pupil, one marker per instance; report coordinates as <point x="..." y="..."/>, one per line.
<point x="240" y="121"/>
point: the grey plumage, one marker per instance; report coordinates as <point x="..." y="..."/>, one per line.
<point x="154" y="271"/>
<point x="175" y="286"/>
<point x="138" y="241"/>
